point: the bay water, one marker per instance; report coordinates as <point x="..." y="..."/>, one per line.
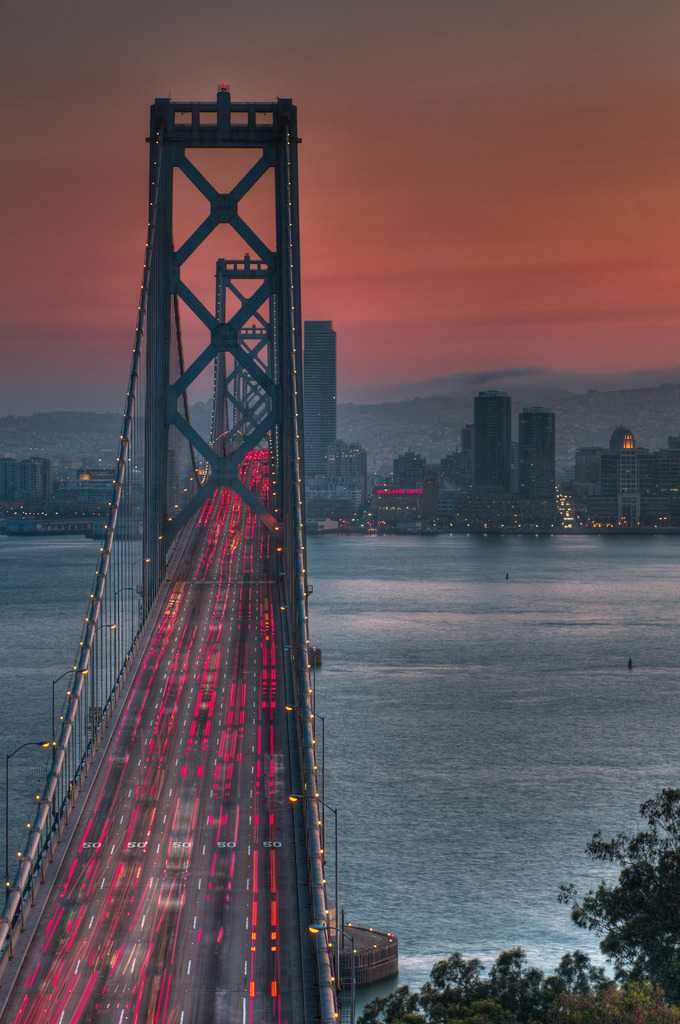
<point x="478" y="729"/>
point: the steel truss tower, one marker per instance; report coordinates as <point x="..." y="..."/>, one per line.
<point x="255" y="344"/>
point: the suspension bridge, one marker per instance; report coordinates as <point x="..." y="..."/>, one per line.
<point x="175" y="869"/>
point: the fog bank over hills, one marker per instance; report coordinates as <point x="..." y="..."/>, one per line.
<point x="531" y="385"/>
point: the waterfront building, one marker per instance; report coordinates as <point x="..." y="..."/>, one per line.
<point x="430" y="505"/>
<point x="320" y="414"/>
<point x="492" y="435"/>
<point x="587" y="469"/>
<point x="9" y="475"/>
<point x="397" y="508"/>
<point x="537" y="453"/>
<point x="35" y="480"/>
<point x="617" y="498"/>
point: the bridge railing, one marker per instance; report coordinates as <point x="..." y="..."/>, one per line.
<point x="296" y="600"/>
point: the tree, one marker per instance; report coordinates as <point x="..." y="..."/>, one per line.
<point x="639" y="916"/>
<point x="575" y="975"/>
<point x="391" y="1009"/>
<point x="513" y="993"/>
<point x="633" y="1004"/>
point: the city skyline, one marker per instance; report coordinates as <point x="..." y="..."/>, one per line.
<point x="482" y="186"/>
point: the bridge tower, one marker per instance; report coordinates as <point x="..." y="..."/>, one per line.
<point x="252" y="336"/>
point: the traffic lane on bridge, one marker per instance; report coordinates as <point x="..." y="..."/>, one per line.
<point x="163" y="900"/>
<point x="101" y="875"/>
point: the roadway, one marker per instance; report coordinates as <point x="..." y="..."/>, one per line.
<point x="176" y="902"/>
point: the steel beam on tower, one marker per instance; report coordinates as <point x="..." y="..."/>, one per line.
<point x="262" y="388"/>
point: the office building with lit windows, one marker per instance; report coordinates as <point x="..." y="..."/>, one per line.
<point x="492" y="429"/>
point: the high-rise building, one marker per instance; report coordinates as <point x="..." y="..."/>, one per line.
<point x="537" y="453"/>
<point x="320" y="422"/>
<point x="492" y="440"/>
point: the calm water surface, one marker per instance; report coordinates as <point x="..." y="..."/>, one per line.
<point x="478" y="729"/>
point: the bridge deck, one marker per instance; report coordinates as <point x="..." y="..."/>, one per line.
<point x="176" y="901"/>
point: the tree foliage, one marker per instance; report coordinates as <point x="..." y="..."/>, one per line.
<point x="634" y="1004"/>
<point x="459" y="992"/>
<point x="638" y="917"/>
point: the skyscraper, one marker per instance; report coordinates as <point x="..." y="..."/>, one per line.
<point x="537" y="453"/>
<point x="320" y="423"/>
<point x="492" y="440"/>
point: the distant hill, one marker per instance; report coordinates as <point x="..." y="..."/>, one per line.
<point x="533" y="385"/>
<point x="432" y="425"/>
<point x="60" y="435"/>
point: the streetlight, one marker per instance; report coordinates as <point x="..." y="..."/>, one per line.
<point x="308" y="648"/>
<point x="54" y="683"/>
<point x="93" y="678"/>
<point x="315" y="929"/>
<point x="30" y="743"/>
<point x="298" y="707"/>
<point x="294" y="797"/>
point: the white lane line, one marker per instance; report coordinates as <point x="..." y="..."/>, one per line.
<point x="203" y="854"/>
<point x="247" y="924"/>
<point x="165" y="818"/>
<point x="244" y="1011"/>
<point x="199" y="881"/>
<point x="189" y="967"/>
<point x="158" y="848"/>
<point x="194" y="922"/>
<point x="143" y="920"/>
<point x="104" y="880"/>
<point x="129" y="794"/>
<point x="245" y="966"/>
<point x="121" y="819"/>
<point x="91" y="922"/>
<point x="77" y="967"/>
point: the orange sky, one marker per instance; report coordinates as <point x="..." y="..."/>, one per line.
<point x="484" y="183"/>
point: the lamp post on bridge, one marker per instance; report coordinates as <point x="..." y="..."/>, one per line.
<point x="298" y="707"/>
<point x="308" y="648"/>
<point x="294" y="797"/>
<point x="122" y="591"/>
<point x="93" y="676"/>
<point x="29" y="743"/>
<point x="54" y="683"/>
<point x="323" y="927"/>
